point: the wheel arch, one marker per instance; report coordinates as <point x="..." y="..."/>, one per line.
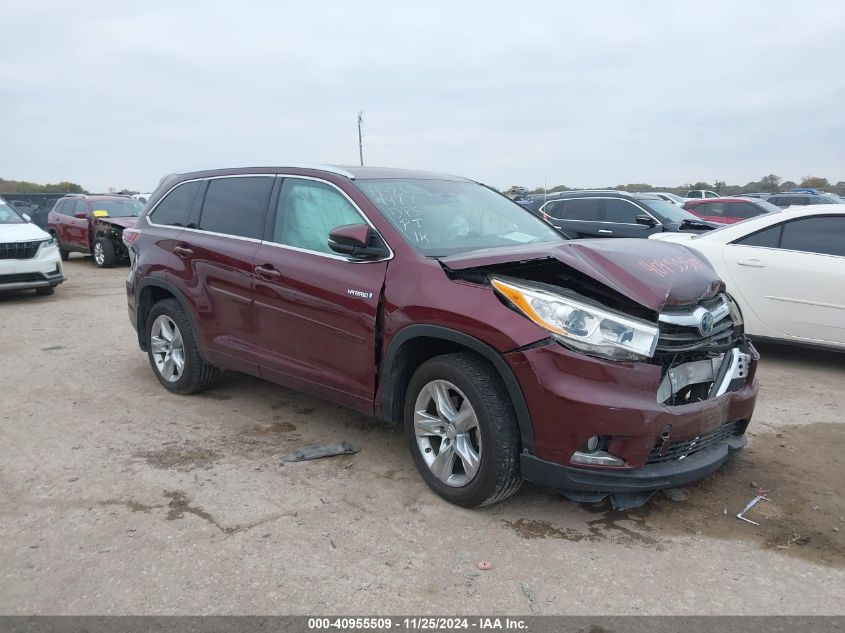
<point x="415" y="344"/>
<point x="150" y="292"/>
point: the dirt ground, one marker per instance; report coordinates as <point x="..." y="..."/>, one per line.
<point x="119" y="498"/>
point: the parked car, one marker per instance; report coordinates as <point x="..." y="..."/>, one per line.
<point x="729" y="210"/>
<point x="668" y="196"/>
<point x="786" y="200"/>
<point x="603" y="367"/>
<point x="142" y="197"/>
<point x="93" y="225"/>
<point x="762" y="195"/>
<point x="29" y="257"/>
<point x="584" y="214"/>
<point x="700" y="193"/>
<point x="786" y="271"/>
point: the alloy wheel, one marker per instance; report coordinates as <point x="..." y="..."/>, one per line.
<point x="448" y="433"/>
<point x="99" y="254"/>
<point x="167" y="348"/>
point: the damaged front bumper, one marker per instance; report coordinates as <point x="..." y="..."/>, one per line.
<point x="572" y="397"/>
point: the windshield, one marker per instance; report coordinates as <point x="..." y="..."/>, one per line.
<point x="672" y="196"/>
<point x="118" y="208"/>
<point x="669" y="211"/>
<point x="444" y="217"/>
<point x="8" y="215"/>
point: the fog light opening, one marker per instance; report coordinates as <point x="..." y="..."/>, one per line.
<point x="595" y="443"/>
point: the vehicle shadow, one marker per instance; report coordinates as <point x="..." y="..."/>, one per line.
<point x="809" y="357"/>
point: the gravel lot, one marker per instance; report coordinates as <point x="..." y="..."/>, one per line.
<point x="119" y="498"/>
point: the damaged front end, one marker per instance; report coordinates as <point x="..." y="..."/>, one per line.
<point x="645" y="380"/>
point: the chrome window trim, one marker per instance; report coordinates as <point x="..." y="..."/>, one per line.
<point x="645" y="211"/>
<point x="268" y="242"/>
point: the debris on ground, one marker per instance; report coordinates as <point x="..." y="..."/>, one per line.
<point x="535" y="608"/>
<point x="675" y="494"/>
<point x="316" y="451"/>
<point x="751" y="504"/>
<point x="485" y="565"/>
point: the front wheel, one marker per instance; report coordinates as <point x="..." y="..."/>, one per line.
<point x="462" y="431"/>
<point x="104" y="256"/>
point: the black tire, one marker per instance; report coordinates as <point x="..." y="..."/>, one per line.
<point x="197" y="375"/>
<point x="45" y="292"/>
<point x="498" y="473"/>
<point x="109" y="258"/>
<point x="62" y="252"/>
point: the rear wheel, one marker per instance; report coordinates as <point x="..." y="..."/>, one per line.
<point x="173" y="352"/>
<point x="103" y="253"/>
<point x="62" y="252"/>
<point x="461" y="429"/>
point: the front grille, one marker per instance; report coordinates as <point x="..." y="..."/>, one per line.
<point x="684" y="338"/>
<point x="21" y="278"/>
<point x="678" y="450"/>
<point x="19" y="250"/>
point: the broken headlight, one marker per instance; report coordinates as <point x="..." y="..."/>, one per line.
<point x="580" y="325"/>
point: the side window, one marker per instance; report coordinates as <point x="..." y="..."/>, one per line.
<point x="236" y="206"/>
<point x="580" y="209"/>
<point x="693" y="194"/>
<point x="767" y="238"/>
<point x="553" y="209"/>
<point x="710" y="194"/>
<point x="743" y="210"/>
<point x="308" y="210"/>
<point x="621" y="211"/>
<point x="175" y="208"/>
<point x="824" y="235"/>
<point x="712" y="209"/>
<point x="80" y="206"/>
<point x="60" y="207"/>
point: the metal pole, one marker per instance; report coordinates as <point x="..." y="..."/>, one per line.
<point x="360" y="141"/>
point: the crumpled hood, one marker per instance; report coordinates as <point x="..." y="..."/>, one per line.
<point x="126" y="223"/>
<point x="652" y="273"/>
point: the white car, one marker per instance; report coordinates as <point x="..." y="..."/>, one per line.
<point x="785" y="270"/>
<point x="698" y="194"/>
<point x="29" y="256"/>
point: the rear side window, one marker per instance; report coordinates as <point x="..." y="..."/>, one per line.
<point x="580" y="209"/>
<point x="711" y="209"/>
<point x="743" y="210"/>
<point x="621" y="211"/>
<point x="767" y="238"/>
<point x="236" y="206"/>
<point x="693" y="194"/>
<point x="823" y="235"/>
<point x="175" y="208"/>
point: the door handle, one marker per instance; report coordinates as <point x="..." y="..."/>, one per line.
<point x="753" y="263"/>
<point x="266" y="271"/>
<point x="183" y="251"/>
<point x="605" y="232"/>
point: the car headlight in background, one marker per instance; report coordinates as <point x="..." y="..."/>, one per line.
<point x="580" y="325"/>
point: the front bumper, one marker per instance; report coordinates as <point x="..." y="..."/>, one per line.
<point x="629" y="488"/>
<point x="41" y="271"/>
<point x="572" y="397"/>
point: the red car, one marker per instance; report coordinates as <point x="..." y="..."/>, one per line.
<point x="600" y="367"/>
<point x="729" y="210"/>
<point x="93" y="225"/>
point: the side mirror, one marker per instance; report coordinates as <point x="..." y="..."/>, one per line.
<point x="646" y="220"/>
<point x="358" y="241"/>
<point x="26" y="217"/>
<point x="80" y="216"/>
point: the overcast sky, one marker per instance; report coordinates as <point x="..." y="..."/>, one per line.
<point x="578" y="93"/>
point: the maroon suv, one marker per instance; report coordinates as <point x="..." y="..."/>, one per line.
<point x="93" y="225"/>
<point x="606" y="367"/>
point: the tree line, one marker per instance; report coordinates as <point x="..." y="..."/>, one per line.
<point x="769" y="184"/>
<point x="22" y="186"/>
